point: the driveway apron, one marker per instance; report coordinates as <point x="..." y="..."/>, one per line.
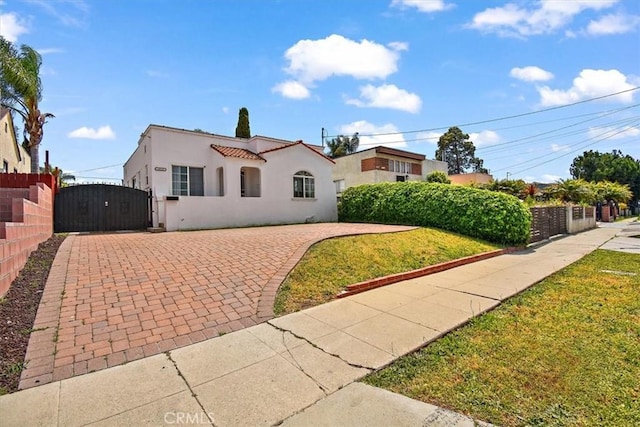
<point x="124" y="296"/>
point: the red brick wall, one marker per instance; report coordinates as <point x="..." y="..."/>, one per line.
<point x="368" y="164"/>
<point x="26" y="220"/>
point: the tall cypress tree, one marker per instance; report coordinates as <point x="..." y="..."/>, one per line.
<point x="243" y="130"/>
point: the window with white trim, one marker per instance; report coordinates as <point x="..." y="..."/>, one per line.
<point x="400" y="167"/>
<point x="340" y="186"/>
<point x="304" y="186"/>
<point x="187" y="181"/>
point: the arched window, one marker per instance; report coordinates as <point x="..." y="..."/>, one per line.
<point x="304" y="186"/>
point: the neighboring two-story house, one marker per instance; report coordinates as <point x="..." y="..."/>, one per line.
<point x="382" y="164"/>
<point x="202" y="180"/>
<point x="14" y="158"/>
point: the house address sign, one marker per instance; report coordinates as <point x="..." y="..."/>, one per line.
<point x="160" y="169"/>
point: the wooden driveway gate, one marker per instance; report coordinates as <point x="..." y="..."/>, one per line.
<point x="100" y="207"/>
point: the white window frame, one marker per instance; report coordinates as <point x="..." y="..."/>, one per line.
<point x="308" y="185"/>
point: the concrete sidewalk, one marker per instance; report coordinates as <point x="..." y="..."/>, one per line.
<point x="295" y="368"/>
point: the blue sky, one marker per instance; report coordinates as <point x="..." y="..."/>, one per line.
<point x="399" y="72"/>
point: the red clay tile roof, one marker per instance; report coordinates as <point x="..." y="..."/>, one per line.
<point x="240" y="153"/>
<point x="296" y="144"/>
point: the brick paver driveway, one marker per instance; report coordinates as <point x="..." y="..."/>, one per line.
<point x="113" y="298"/>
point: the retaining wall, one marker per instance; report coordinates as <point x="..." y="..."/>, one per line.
<point x="26" y="220"/>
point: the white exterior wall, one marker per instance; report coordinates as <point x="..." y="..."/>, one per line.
<point x="349" y="169"/>
<point x="430" y="166"/>
<point x="276" y="205"/>
<point x="15" y="155"/>
<point x="580" y="224"/>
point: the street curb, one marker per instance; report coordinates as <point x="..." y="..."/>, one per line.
<point x="367" y="285"/>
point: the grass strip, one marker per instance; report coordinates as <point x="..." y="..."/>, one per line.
<point x="331" y="265"/>
<point x="565" y="352"/>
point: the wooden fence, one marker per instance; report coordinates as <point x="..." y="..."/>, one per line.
<point x="548" y="221"/>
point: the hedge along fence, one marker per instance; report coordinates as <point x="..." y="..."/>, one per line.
<point x="489" y="215"/>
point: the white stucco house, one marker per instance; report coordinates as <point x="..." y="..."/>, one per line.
<point x="202" y="180"/>
<point x="382" y="164"/>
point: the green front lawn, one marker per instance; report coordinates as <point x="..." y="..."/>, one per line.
<point x="565" y="352"/>
<point x="331" y="265"/>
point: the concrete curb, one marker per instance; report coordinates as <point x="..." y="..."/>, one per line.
<point x="356" y="288"/>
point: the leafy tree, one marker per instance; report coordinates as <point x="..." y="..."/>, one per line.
<point x="514" y="187"/>
<point x="438" y="176"/>
<point x="614" y="167"/>
<point x="606" y="190"/>
<point x="336" y="148"/>
<point x="571" y="190"/>
<point x="343" y="145"/>
<point x="21" y="91"/>
<point x="63" y="178"/>
<point x="455" y="148"/>
<point x="476" y="165"/>
<point x="242" y="129"/>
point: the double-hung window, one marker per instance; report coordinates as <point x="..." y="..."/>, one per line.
<point x="304" y="186"/>
<point x="187" y="181"/>
<point x="399" y="167"/>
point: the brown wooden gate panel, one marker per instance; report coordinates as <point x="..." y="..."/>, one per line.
<point x="548" y="221"/>
<point x="100" y="207"/>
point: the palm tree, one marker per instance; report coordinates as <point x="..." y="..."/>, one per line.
<point x="21" y="91"/>
<point x="619" y="193"/>
<point x="571" y="190"/>
<point x="343" y="145"/>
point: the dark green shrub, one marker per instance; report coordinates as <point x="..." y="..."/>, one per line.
<point x="438" y="176"/>
<point x="492" y="216"/>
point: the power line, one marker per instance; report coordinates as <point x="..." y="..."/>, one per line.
<point x="98" y="168"/>
<point x="515" y="116"/>
<point x="567" y="153"/>
<point x="571" y="133"/>
<point x="492" y="147"/>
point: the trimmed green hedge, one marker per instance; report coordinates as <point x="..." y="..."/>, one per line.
<point x="489" y="215"/>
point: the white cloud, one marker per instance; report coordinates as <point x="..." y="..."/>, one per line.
<point x="103" y="132"/>
<point x="11" y="27"/>
<point x="71" y="13"/>
<point x="291" y="89"/>
<point x="548" y="178"/>
<point x="387" y="96"/>
<point x="398" y="46"/>
<point x="555" y="148"/>
<point x="225" y="110"/>
<point x="426" y="6"/>
<point x="49" y="50"/>
<point x="315" y="60"/>
<point x="611" y="133"/>
<point x="364" y="128"/>
<point x="589" y="84"/>
<point x="613" y="24"/>
<point x="548" y="16"/>
<point x="429" y="137"/>
<point x="484" y="138"/>
<point x="530" y="74"/>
